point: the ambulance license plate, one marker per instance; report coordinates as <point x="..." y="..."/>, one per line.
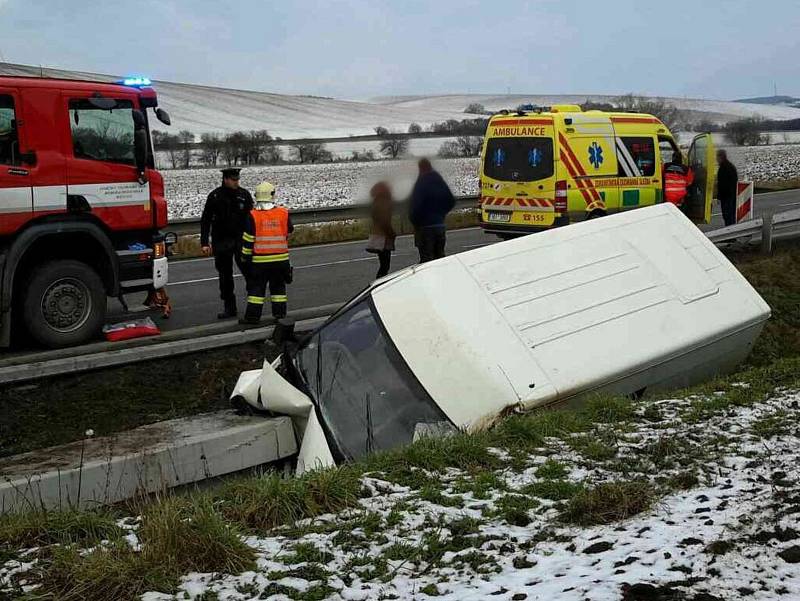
<point x="503" y="217"/>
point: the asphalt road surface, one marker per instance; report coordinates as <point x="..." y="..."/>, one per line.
<point x="327" y="274"/>
<point x="333" y="273"/>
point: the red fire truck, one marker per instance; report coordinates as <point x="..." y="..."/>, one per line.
<point x="81" y="204"/>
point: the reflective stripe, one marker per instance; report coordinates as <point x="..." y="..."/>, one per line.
<point x="247" y="251"/>
<point x="270" y="238"/>
<point x="270" y="258"/>
<point x="278" y="298"/>
<point x="248" y="237"/>
<point x="256" y="300"/>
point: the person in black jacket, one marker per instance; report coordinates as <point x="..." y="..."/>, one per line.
<point x="224" y="218"/>
<point x="727" y="179"/>
<point x="431" y="201"/>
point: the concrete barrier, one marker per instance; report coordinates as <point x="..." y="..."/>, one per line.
<point x="144" y="460"/>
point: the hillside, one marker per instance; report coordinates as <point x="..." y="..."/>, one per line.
<point x="205" y="109"/>
<point x="715" y="110"/>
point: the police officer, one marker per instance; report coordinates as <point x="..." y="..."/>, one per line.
<point x="265" y="248"/>
<point x="224" y="218"/>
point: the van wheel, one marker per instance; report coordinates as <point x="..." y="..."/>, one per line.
<point x="64" y="304"/>
<point x="595" y="214"/>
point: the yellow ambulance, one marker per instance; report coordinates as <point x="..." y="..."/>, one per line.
<point x="548" y="167"/>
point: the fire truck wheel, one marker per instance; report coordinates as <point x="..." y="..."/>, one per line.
<point x="64" y="303"/>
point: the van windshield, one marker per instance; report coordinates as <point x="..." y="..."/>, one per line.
<point x="368" y="398"/>
<point x="519" y="159"/>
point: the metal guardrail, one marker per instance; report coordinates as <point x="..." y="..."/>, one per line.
<point x="191" y="225"/>
<point x="765" y="229"/>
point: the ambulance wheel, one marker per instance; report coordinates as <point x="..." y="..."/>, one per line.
<point x="64" y="303"/>
<point x="595" y="214"/>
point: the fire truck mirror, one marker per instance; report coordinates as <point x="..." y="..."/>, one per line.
<point x="140" y="151"/>
<point x="163" y="116"/>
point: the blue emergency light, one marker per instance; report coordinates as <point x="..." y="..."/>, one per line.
<point x="136" y="82"/>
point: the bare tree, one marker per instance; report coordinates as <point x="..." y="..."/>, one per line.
<point x="311" y="153"/>
<point x="746" y="132"/>
<point x="381" y="131"/>
<point x="212" y="145"/>
<point x="475" y="108"/>
<point x="394" y="146"/>
<point x="272" y="155"/>
<point x="171" y="143"/>
<point x="463" y="146"/>
<point x="667" y="113"/>
<point x="186" y="139"/>
<point x="253" y="145"/>
<point x="415" y="128"/>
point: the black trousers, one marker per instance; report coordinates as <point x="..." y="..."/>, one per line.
<point x="728" y="206"/>
<point x="223" y="262"/>
<point x="430" y="242"/>
<point x="384" y="262"/>
<point x="259" y="277"/>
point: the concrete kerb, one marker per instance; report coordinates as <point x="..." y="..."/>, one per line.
<point x="117" y="357"/>
<point x="141" y="461"/>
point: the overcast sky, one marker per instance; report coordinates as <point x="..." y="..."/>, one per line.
<point x="361" y="48"/>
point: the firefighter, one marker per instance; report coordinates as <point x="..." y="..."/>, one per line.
<point x="224" y="216"/>
<point x="677" y="179"/>
<point x="265" y="248"/>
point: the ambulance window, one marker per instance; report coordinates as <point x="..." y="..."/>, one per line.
<point x="100" y="134"/>
<point x="666" y="148"/>
<point x="519" y="159"/>
<point x="9" y="145"/>
<point x="637" y="157"/>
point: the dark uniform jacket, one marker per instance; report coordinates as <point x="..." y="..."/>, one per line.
<point x="224" y="218"/>
<point x="431" y="200"/>
<point x="727" y="177"/>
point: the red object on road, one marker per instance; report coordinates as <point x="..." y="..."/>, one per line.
<point x="135" y="328"/>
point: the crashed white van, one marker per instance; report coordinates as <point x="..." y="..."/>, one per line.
<point x="625" y="304"/>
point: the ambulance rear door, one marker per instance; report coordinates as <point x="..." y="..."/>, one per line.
<point x="519" y="171"/>
<point x="586" y="151"/>
<point x="702" y="160"/>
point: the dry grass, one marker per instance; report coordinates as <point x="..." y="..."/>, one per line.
<point x="609" y="502"/>
<point x="337" y="231"/>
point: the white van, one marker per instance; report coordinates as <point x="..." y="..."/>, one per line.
<point x="626" y="304"/>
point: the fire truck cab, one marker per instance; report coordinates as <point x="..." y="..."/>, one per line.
<point x="81" y="204"/>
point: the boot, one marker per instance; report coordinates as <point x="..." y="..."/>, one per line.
<point x="229" y="311"/>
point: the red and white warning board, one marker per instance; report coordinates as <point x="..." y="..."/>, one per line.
<point x="744" y="201"/>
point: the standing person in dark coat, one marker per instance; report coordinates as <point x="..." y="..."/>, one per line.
<point x="431" y="201"/>
<point x="727" y="179"/>
<point x="224" y="218"/>
<point x="382" y="234"/>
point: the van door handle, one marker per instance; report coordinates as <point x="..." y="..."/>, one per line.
<point x="18" y="171"/>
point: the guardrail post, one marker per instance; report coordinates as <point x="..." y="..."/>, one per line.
<point x="766" y="234"/>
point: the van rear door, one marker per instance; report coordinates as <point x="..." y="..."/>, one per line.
<point x="703" y="162"/>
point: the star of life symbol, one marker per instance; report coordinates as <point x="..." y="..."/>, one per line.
<point x="596" y="155"/>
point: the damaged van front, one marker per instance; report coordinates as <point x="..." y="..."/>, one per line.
<point x="628" y="304"/>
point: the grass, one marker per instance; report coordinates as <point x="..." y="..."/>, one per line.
<point x="119" y="399"/>
<point x="188" y="246"/>
<point x="40" y="528"/>
<point x="609" y="502"/>
<point x="177" y="536"/>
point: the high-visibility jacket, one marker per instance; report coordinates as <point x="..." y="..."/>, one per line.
<point x="677" y="179"/>
<point x="266" y="235"/>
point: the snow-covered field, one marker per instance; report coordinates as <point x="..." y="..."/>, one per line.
<point x="306" y="186"/>
<point x="725" y="530"/>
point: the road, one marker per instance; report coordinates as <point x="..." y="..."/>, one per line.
<point x="327" y="274"/>
<point x="333" y="273"/>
